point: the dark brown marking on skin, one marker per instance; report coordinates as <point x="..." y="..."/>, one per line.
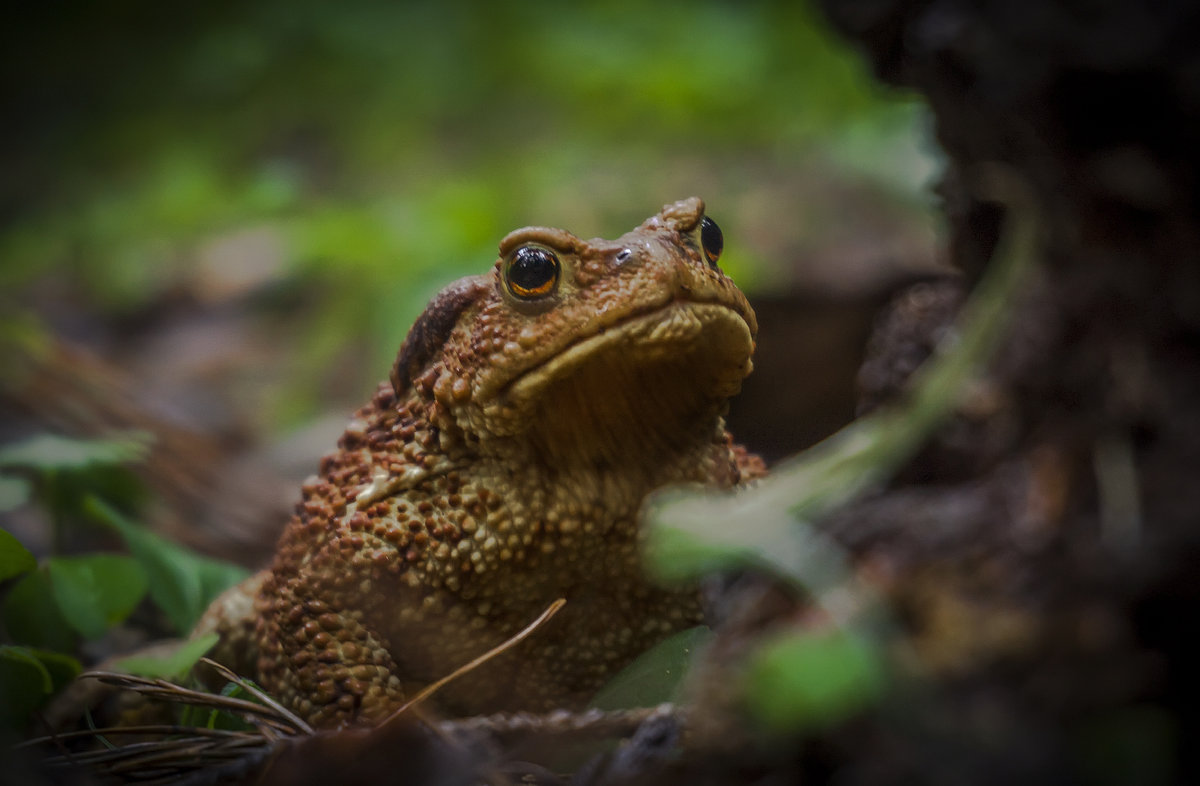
<point x="432" y="328"/>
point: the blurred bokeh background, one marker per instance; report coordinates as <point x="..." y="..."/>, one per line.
<point x="218" y="221"/>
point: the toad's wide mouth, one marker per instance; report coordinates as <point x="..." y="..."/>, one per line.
<point x="711" y="341"/>
<point x="642" y="389"/>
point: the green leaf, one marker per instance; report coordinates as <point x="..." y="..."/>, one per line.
<point x="216" y="576"/>
<point x="175" y="664"/>
<point x="50" y="452"/>
<point x="54" y="668"/>
<point x="182" y="583"/>
<point x="15" y="559"/>
<point x="692" y="535"/>
<point x="32" y="616"/>
<point x="24" y="656"/>
<point x="62" y="667"/>
<point x="28" y="678"/>
<point x="97" y="591"/>
<point x="655" y="676"/>
<point x="674" y="555"/>
<point x="64" y="492"/>
<point x="14" y="492"/>
<point x="813" y="680"/>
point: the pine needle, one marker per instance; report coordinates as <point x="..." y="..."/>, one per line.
<point x="434" y="687"/>
<point x="176" y="753"/>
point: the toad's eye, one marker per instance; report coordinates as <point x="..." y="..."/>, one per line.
<point x="711" y="240"/>
<point x="531" y="272"/>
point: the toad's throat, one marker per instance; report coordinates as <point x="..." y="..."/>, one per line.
<point x="709" y="343"/>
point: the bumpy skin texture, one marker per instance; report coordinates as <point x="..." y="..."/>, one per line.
<point x="502" y="468"/>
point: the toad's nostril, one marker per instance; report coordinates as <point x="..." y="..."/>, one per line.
<point x="624" y="256"/>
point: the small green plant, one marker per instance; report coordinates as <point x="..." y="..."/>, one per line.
<point x="52" y="606"/>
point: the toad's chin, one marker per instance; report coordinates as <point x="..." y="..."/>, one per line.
<point x="648" y="385"/>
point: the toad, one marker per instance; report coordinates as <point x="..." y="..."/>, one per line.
<point x="529" y="413"/>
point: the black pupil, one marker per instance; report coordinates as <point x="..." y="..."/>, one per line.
<point x="531" y="268"/>
<point x="712" y="240"/>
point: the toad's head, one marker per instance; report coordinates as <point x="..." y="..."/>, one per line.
<point x="587" y="349"/>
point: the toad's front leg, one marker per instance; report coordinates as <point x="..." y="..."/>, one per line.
<point x="324" y="663"/>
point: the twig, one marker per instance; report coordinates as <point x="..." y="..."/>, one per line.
<point x="180" y="752"/>
<point x="561" y="725"/>
<point x="158" y="728"/>
<point x="432" y="688"/>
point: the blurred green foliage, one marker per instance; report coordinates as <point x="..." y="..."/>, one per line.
<point x="656" y="676"/>
<point x="48" y="607"/>
<point x="809" y="678"/>
<point x="15" y="559"/>
<point x="387" y="146"/>
<point x="804" y="680"/>
<point x="28" y="677"/>
<point x="174" y="665"/>
<point x="61" y="473"/>
<point x="181" y="583"/>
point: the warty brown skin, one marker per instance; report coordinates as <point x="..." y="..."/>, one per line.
<point x="504" y="467"/>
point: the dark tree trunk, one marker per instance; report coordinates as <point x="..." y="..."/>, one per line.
<point x="1043" y="552"/>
